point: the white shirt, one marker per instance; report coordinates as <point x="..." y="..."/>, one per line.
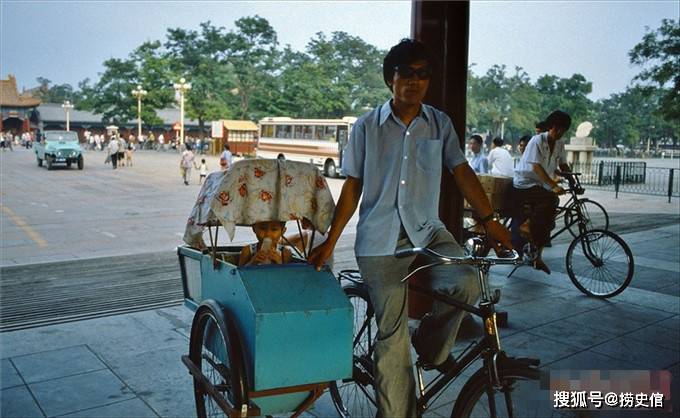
<point x="113" y="146"/>
<point x="501" y="162"/>
<point x="538" y="152"/>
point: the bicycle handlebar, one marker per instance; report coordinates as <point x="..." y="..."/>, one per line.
<point x="509" y="257"/>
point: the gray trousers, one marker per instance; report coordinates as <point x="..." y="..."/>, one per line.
<point x="395" y="383"/>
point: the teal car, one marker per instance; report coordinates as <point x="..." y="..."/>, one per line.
<point x="59" y="147"/>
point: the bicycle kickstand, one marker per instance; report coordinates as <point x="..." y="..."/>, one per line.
<point x="513" y="270"/>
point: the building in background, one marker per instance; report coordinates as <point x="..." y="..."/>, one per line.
<point x="241" y="135"/>
<point x="18" y="110"/>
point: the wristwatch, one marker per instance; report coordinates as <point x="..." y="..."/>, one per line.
<point x="493" y="216"/>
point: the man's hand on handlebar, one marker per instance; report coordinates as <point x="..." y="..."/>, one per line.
<point x="498" y="236"/>
<point x="558" y="190"/>
<point x="320" y="254"/>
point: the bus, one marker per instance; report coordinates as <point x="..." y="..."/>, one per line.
<point x="317" y="141"/>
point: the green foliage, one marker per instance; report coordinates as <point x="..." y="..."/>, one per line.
<point x="57" y="93"/>
<point x="659" y="55"/>
<point x="243" y="74"/>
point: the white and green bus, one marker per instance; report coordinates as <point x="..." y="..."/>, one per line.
<point x="316" y="141"/>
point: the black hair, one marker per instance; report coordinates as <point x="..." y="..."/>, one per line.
<point x="188" y="146"/>
<point x="477" y="138"/>
<point x="407" y="51"/>
<point x="541" y="126"/>
<point x="525" y="138"/>
<point x="497" y="141"/>
<point x="558" y="119"/>
<point x="226" y="146"/>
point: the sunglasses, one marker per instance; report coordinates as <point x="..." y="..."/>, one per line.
<point x="406" y="71"/>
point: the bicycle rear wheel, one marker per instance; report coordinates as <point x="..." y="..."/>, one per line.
<point x="356" y="397"/>
<point x="600" y="263"/>
<point x="519" y="395"/>
<point x="594" y="214"/>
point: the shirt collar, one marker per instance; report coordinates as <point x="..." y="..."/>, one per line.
<point x="386" y="111"/>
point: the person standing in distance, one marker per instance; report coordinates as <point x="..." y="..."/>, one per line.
<point x="478" y="162"/>
<point x="394" y="158"/>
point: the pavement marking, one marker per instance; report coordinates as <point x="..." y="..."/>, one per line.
<point x="40" y="241"/>
<point x="108" y="234"/>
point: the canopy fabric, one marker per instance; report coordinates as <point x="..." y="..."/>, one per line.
<point x="260" y="190"/>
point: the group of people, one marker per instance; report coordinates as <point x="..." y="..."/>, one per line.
<point x="188" y="161"/>
<point x="8" y="139"/>
<point x="535" y="178"/>
<point x="119" y="152"/>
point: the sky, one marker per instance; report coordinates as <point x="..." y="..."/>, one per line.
<point x="67" y="41"/>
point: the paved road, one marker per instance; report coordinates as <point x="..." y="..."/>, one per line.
<point x="67" y="214"/>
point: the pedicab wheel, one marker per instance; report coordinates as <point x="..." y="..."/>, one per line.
<point x="517" y="395"/>
<point x="356" y="397"/>
<point x="215" y="349"/>
<point x="600" y="263"/>
<point x="594" y="214"/>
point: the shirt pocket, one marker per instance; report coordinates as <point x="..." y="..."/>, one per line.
<point x="429" y="154"/>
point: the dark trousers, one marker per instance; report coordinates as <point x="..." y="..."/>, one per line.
<point x="539" y="206"/>
<point x="114" y="160"/>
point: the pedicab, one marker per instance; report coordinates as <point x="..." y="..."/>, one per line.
<point x="265" y="339"/>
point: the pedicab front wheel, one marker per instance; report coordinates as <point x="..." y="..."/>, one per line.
<point x="215" y="350"/>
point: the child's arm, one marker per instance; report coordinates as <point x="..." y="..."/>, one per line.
<point x="245" y="256"/>
<point x="287" y="255"/>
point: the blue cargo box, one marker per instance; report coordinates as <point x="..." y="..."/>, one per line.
<point x="296" y="323"/>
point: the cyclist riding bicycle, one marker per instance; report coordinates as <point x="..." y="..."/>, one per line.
<point x="534" y="187"/>
<point x="394" y="158"/>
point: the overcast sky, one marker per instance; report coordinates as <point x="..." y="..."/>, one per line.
<point x="68" y="41"/>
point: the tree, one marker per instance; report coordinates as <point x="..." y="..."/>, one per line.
<point x="659" y="53"/>
<point x="57" y="93"/>
<point x="190" y="54"/>
<point x="567" y="94"/>
<point x="250" y="55"/>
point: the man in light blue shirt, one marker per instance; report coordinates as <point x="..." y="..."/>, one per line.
<point x="478" y="161"/>
<point x="394" y="158"/>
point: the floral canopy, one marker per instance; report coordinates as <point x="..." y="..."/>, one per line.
<point x="260" y="190"/>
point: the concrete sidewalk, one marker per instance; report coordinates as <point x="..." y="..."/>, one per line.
<point x="129" y="365"/>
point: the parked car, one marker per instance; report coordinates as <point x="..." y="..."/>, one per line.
<point x="57" y="147"/>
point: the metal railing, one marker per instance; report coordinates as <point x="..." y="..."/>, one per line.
<point x="630" y="177"/>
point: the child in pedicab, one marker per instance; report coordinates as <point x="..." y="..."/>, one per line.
<point x="268" y="248"/>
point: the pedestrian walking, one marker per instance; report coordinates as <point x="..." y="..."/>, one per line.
<point x="226" y="159"/>
<point x="128" y="154"/>
<point x="202" y="171"/>
<point x="186" y="163"/>
<point x="114" y="148"/>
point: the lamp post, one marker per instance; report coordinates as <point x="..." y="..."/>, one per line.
<point x="67" y="106"/>
<point x="503" y="120"/>
<point x="182" y="87"/>
<point x="139" y="93"/>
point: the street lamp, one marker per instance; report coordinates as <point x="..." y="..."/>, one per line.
<point x="67" y="106"/>
<point x="139" y="93"/>
<point x="503" y="127"/>
<point x="182" y="87"/>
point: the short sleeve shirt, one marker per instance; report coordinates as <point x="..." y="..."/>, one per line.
<point x="479" y="163"/>
<point x="401" y="168"/>
<point x="538" y="152"/>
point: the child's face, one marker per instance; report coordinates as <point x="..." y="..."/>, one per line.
<point x="272" y="230"/>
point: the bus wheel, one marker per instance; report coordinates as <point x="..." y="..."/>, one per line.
<point x="329" y="169"/>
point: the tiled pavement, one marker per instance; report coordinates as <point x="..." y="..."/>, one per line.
<point x="129" y="365"/>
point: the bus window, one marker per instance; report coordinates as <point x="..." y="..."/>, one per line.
<point x="318" y="132"/>
<point x="307" y="131"/>
<point x="297" y="132"/>
<point x="283" y="131"/>
<point x="267" y="131"/>
<point x="342" y="135"/>
<point x="330" y="134"/>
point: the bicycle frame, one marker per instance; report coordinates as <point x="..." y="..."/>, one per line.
<point x="489" y="348"/>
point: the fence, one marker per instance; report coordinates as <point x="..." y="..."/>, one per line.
<point x="630" y="177"/>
